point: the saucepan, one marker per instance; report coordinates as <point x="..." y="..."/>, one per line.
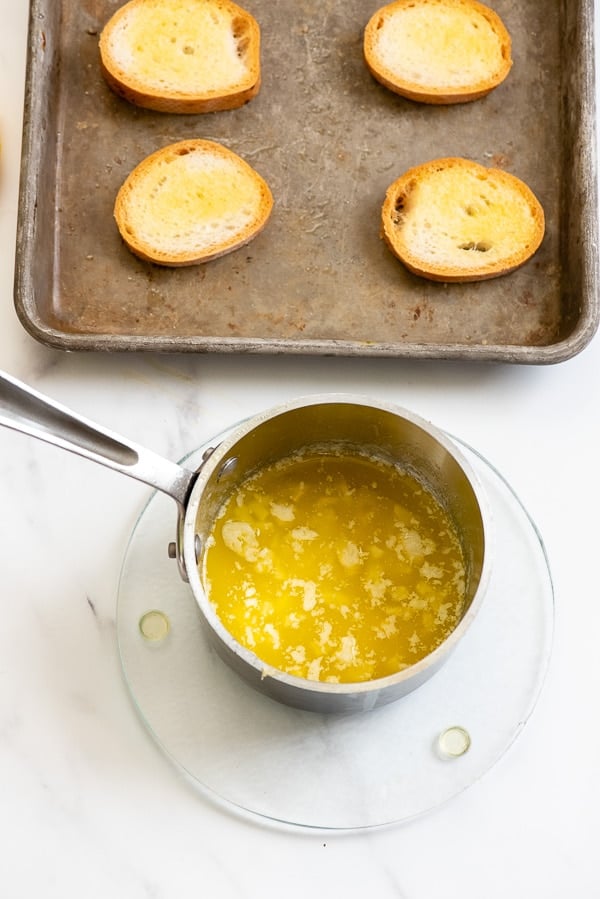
<point x="338" y="420"/>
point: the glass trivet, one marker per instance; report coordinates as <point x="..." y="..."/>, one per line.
<point x="336" y="772"/>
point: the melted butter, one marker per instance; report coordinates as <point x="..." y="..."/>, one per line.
<point x="338" y="568"/>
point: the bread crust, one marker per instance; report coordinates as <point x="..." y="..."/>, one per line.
<point x="132" y="192"/>
<point x="129" y="84"/>
<point x="463" y="240"/>
<point x="441" y="93"/>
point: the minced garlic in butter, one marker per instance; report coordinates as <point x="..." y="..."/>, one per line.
<point x="335" y="567"/>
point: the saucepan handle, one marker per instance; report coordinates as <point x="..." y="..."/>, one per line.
<point x="24" y="409"/>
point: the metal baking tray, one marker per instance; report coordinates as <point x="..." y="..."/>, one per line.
<point x="329" y="140"/>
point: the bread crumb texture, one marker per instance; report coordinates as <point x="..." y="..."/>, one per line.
<point x="186" y="52"/>
<point x="455" y="220"/>
<point x="438" y="51"/>
<point x="190" y="202"/>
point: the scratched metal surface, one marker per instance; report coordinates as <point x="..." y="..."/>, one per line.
<point x="329" y="140"/>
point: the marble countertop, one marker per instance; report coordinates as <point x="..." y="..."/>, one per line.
<point x="90" y="806"/>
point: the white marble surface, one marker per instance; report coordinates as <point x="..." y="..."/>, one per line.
<point x="88" y="805"/>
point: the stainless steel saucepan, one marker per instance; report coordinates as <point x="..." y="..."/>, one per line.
<point x="343" y="421"/>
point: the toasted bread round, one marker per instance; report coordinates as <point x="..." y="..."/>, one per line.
<point x="182" y="56"/>
<point x="455" y="220"/>
<point x="438" y="51"/>
<point x="191" y="202"/>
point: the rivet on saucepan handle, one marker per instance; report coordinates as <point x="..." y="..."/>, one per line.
<point x="227" y="467"/>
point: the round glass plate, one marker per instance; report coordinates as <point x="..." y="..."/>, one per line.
<point x="336" y="772"/>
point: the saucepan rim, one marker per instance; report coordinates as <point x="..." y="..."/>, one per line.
<point x="419" y="669"/>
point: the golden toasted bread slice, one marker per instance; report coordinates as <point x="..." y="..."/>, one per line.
<point x="191" y="202"/>
<point x="455" y="220"/>
<point x="182" y="56"/>
<point x="437" y="51"/>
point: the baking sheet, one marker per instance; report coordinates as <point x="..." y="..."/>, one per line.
<point x="329" y="140"/>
